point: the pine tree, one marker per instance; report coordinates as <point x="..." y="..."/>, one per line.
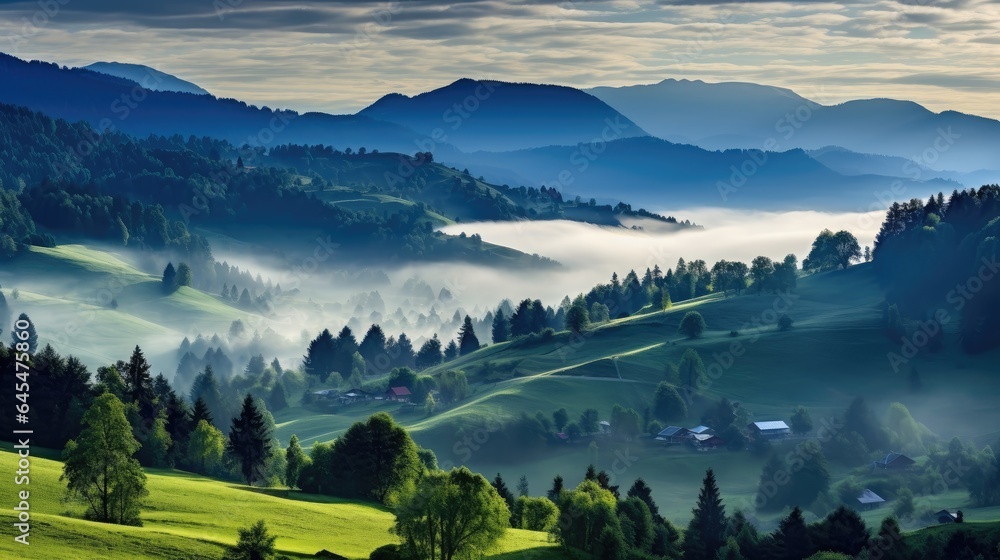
<point x="468" y="342"/>
<point x="169" y="278"/>
<point x="277" y="399"/>
<point x="184" y="275"/>
<point x="792" y="539"/>
<point x="430" y="353"/>
<point x="32" y="338"/>
<point x="250" y="442"/>
<point x="501" y="488"/>
<point x="451" y="351"/>
<point x="557" y="488"/>
<point x="642" y="491"/>
<point x="321" y="356"/>
<point x="201" y="412"/>
<point x="295" y="461"/>
<point x="706" y="531"/>
<point x="501" y="327"/>
<point x="139" y="383"/>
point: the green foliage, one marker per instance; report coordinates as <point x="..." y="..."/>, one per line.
<point x="100" y="468"/>
<point x="453" y="514"/>
<point x="706" y="531"/>
<point x="372" y="460"/>
<point x="801" y="421"/>
<point x="535" y="514"/>
<point x="295" y="461"/>
<point x="591" y="509"/>
<point x="832" y="250"/>
<point x="792" y="540"/>
<point x="501" y="327"/>
<point x="255" y="543"/>
<point x="692" y="370"/>
<point x="577" y="318"/>
<point x="692" y="325"/>
<point x="184" y="275"/>
<point x="625" y="422"/>
<point x="668" y="404"/>
<point x="430" y="353"/>
<point x="206" y="448"/>
<point x="841" y="531"/>
<point x="453" y="386"/>
<point x="468" y="342"/>
<point x="250" y="442"/>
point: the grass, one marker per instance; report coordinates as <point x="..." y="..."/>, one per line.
<point x="834" y="352"/>
<point x="189" y="516"/>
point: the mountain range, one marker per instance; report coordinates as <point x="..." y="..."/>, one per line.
<point x="675" y="142"/>
<point x="150" y="78"/>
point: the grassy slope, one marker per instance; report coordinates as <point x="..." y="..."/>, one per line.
<point x="66" y="290"/>
<point x="835" y="351"/>
<point x="188" y="516"/>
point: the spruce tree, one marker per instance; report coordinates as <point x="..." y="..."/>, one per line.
<point x="169" y="278"/>
<point x="792" y="540"/>
<point x="139" y="383"/>
<point x="706" y="531"/>
<point x="32" y="339"/>
<point x="467" y="340"/>
<point x="249" y="442"/>
<point x="501" y="487"/>
<point x="295" y="461"/>
<point x="501" y="327"/>
<point x="642" y="491"/>
<point x="557" y="488"/>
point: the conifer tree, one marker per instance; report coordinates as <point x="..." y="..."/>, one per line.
<point x="706" y="531"/>
<point x="249" y="442"/>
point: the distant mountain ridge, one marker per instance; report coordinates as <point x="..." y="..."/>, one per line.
<point x="498" y="116"/>
<point x="726" y="115"/>
<point x="149" y="78"/>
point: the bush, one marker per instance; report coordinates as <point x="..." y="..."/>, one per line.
<point x="784" y="323"/>
<point x="388" y="552"/>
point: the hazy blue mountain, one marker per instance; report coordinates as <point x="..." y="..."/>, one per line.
<point x="847" y="162"/>
<point x="150" y="78"/>
<point x="105" y="101"/>
<point x="742" y="115"/>
<point x="654" y="172"/>
<point x="500" y="116"/>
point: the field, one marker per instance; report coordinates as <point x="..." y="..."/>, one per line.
<point x="834" y="352"/>
<point x="188" y="516"/>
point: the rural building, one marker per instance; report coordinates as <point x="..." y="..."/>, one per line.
<point x="326" y="394"/>
<point x="398" y="394"/>
<point x="354" y="395"/>
<point x="774" y="429"/>
<point x="896" y="461"/>
<point x="699" y="430"/>
<point x="706" y="441"/>
<point x="944" y="516"/>
<point x="673" y="434"/>
<point x="604" y="426"/>
<point x="870" y="500"/>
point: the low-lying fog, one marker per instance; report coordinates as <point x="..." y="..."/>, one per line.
<point x="589" y="254"/>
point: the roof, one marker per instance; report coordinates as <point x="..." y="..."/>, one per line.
<point x="898" y="458"/>
<point x="399" y="391"/>
<point x="869" y="497"/>
<point x="704" y="437"/>
<point x="771" y="425"/>
<point x="604" y="423"/>
<point x="671" y="431"/>
<point x="700" y="429"/>
<point x="943" y="513"/>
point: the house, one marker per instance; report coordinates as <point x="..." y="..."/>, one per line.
<point x="354" y="395"/>
<point x="870" y="500"/>
<point x="944" y="516"/>
<point x="895" y="461"/>
<point x="706" y="441"/>
<point x="774" y="429"/>
<point x="673" y="434"/>
<point x="326" y="394"/>
<point x="702" y="430"/>
<point x="604" y="426"/>
<point x="398" y="394"/>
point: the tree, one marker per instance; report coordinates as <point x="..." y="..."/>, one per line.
<point x="321" y="357"/>
<point x="706" y="531"/>
<point x="730" y="551"/>
<point x="557" y="488"/>
<point x="277" y="400"/>
<point x="255" y="543"/>
<point x="451" y="351"/>
<point x="206" y="448"/>
<point x="30" y="335"/>
<point x="372" y="348"/>
<point x="295" y="460"/>
<point x="169" y="278"/>
<point x="889" y="543"/>
<point x="691" y="370"/>
<point x="500" y="486"/>
<point x="668" y="404"/>
<point x="625" y="422"/>
<point x="452" y="515"/>
<point x="642" y="491"/>
<point x="100" y="467"/>
<point x="588" y="420"/>
<point x="801" y="421"/>
<point x="430" y="353"/>
<point x="138" y="382"/>
<point x="184" y="275"/>
<point x="692" y="325"/>
<point x="453" y="386"/>
<point x="792" y="539"/>
<point x="501" y="327"/>
<point x="761" y="274"/>
<point x="904" y="507"/>
<point x="784" y="322"/>
<point x="845" y="248"/>
<point x="831" y="250"/>
<point x="522" y="486"/>
<point x="250" y="441"/>
<point x="560" y="418"/>
<point x="841" y="531"/>
<point x="467" y="340"/>
<point x="577" y="318"/>
<point x="535" y="514"/>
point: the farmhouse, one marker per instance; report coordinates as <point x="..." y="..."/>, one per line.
<point x="702" y="430"/>
<point x="398" y="394"/>
<point x="706" y="441"/>
<point x="673" y="434"/>
<point x="944" y="516"/>
<point x="353" y="395"/>
<point x="870" y="500"/>
<point x="895" y="461"/>
<point x="774" y="429"/>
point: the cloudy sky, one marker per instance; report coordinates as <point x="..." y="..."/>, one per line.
<point x="339" y="56"/>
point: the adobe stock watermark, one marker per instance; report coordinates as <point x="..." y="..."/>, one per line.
<point x="31" y="26"/>
<point x="959" y="297"/>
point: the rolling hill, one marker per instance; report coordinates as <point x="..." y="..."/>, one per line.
<point x="835" y="351"/>
<point x="499" y="116"/>
<point x="189" y="516"/>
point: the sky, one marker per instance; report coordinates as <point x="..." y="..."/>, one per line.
<point x="341" y="55"/>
